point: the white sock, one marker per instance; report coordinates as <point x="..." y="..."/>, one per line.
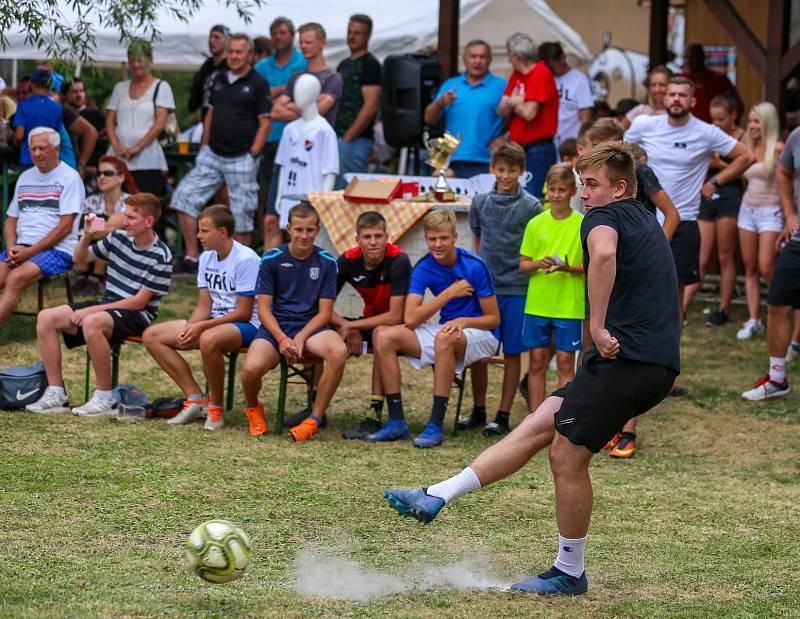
<point x="570" y="555"/>
<point x="106" y="395"/>
<point x="57" y="389"/>
<point x="777" y="369"/>
<point x="197" y="397"/>
<point x="458" y="485"/>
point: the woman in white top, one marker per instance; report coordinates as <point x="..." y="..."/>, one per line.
<point x="656" y="83"/>
<point x="760" y="216"/>
<point x="115" y="183"/>
<point x="136" y="114"/>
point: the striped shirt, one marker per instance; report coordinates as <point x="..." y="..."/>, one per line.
<point x="132" y="268"/>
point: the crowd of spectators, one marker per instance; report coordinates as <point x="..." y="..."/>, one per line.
<point x="713" y="183"/>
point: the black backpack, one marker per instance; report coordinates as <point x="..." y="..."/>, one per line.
<point x="21" y="385"/>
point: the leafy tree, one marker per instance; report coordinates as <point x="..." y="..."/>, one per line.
<point x="58" y="35"/>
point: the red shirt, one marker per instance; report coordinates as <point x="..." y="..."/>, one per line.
<point x="706" y="87"/>
<point x="540" y="86"/>
<point x="377" y="286"/>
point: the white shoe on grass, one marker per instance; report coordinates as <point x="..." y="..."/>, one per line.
<point x="792" y="352"/>
<point x="192" y="409"/>
<point x="51" y="402"/>
<point x="752" y="327"/>
<point x="215" y="419"/>
<point x="98" y="406"/>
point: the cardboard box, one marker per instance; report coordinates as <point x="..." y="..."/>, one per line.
<point x="375" y="191"/>
<point x="409" y="190"/>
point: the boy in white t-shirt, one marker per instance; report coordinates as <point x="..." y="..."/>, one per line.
<point x="308" y="152"/>
<point x="224" y="320"/>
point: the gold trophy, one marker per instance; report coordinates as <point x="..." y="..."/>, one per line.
<point x="440" y="150"/>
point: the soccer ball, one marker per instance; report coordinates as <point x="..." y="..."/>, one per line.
<point x="218" y="551"/>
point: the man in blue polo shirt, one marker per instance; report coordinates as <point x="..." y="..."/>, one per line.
<point x="468" y="103"/>
<point x="277" y="68"/>
<point x="467" y="329"/>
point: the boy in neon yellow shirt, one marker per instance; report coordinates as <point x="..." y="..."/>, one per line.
<point x="551" y="253"/>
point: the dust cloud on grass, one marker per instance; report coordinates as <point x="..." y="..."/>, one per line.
<point x="330" y="573"/>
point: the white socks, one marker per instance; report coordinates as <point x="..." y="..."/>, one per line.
<point x="458" y="485"/>
<point x="570" y="555"/>
<point x="106" y="395"/>
<point x="777" y="369"/>
<point x="57" y="389"/>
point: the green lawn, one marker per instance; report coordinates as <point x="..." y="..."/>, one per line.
<point x="94" y="513"/>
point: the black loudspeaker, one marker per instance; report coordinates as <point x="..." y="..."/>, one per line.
<point x="409" y="83"/>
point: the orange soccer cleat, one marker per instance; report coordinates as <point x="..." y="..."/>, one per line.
<point x="612" y="443"/>
<point x="255" y="416"/>
<point x="626" y="446"/>
<point x="304" y="430"/>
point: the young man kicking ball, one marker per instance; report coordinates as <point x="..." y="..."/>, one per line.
<point x="139" y="272"/>
<point x="379" y="271"/>
<point x="296" y="290"/>
<point x="225" y="319"/>
<point x="466" y="302"/>
<point x="635" y="326"/>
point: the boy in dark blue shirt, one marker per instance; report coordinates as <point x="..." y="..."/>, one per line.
<point x="296" y="290"/>
<point x="38" y="110"/>
<point x="467" y="329"/>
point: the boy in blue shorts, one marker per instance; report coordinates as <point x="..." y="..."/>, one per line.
<point x="466" y="333"/>
<point x="296" y="291"/>
<point x="225" y="319"/>
<point x="497" y="220"/>
<point x="551" y="254"/>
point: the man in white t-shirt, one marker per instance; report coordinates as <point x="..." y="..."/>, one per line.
<point x="224" y="320"/>
<point x="679" y="147"/>
<point x="575" y="100"/>
<point x="41" y="228"/>
<point x="308" y="152"/>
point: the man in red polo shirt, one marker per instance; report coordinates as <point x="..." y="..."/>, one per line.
<point x="531" y="101"/>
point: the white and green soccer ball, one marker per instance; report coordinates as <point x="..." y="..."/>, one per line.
<point x="218" y="551"/>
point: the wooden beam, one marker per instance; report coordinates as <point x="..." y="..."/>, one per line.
<point x="447" y="47"/>
<point x="790" y="60"/>
<point x="659" y="16"/>
<point x="740" y="32"/>
<point x="777" y="31"/>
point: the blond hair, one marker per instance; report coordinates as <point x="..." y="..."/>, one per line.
<point x="616" y="161"/>
<point x="436" y="220"/>
<point x="770" y="126"/>
<point x="561" y="173"/>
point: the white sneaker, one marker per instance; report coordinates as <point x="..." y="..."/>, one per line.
<point x="192" y="409"/>
<point x="98" y="406"/>
<point x="752" y="327"/>
<point x="214" y="421"/>
<point x="50" y="402"/>
<point x="792" y="353"/>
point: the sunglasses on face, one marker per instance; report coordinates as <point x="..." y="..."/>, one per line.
<point x="108" y="173"/>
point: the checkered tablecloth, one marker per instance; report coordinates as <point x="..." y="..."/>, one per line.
<point x="339" y="216"/>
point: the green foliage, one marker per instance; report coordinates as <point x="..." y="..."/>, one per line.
<point x="50" y="29"/>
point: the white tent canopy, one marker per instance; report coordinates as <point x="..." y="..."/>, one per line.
<point x="400" y="27"/>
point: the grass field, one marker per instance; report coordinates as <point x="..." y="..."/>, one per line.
<point x="703" y="522"/>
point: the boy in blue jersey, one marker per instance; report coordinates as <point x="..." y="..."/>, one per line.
<point x="296" y="290"/>
<point x="465" y="300"/>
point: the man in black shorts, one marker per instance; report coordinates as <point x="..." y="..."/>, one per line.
<point x="635" y="326"/>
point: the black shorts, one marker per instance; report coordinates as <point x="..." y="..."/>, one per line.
<point x="366" y="334"/>
<point x="607" y="393"/>
<point x="151" y="181"/>
<point x="726" y="205"/>
<point x="127" y="323"/>
<point x="784" y="287"/>
<point x="266" y="177"/>
<point x="685" y="246"/>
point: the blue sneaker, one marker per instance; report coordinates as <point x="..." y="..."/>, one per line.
<point x="415" y="503"/>
<point x="432" y="435"/>
<point x="553" y="582"/>
<point x="393" y="430"/>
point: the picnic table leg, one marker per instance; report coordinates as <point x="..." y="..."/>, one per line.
<point x="281" y="404"/>
<point x="231" y="379"/>
<point x="115" y="353"/>
<point x="86" y="384"/>
<point x="460" y="382"/>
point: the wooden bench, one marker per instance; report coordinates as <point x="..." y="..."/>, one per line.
<point x="290" y="374"/>
<point x="41" y="284"/>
